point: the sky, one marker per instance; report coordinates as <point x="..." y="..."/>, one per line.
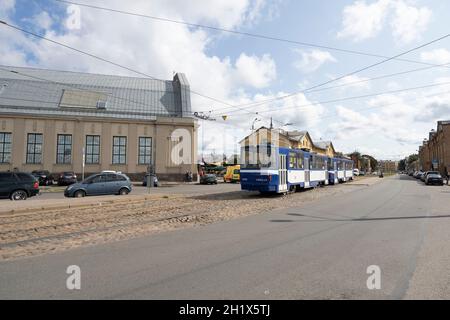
<point x="370" y="116"/>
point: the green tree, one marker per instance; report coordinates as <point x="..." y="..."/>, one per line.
<point x="412" y="158"/>
<point x="402" y="165"/>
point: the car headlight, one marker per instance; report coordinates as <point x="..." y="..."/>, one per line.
<point x="69" y="188"/>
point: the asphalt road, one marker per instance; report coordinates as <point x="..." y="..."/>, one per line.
<point x="317" y="251"/>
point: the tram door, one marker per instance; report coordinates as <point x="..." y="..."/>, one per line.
<point x="282" y="173"/>
<point x="307" y="176"/>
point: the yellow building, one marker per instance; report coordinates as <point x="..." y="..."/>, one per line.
<point x="289" y="139"/>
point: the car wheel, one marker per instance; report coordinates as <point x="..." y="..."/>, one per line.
<point x="79" y="194"/>
<point x="124" y="191"/>
<point x="19" y="195"/>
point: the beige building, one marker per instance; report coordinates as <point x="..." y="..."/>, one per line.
<point x="290" y="139"/>
<point x="58" y="121"/>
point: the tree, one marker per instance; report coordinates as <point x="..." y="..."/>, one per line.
<point x="402" y="165"/>
<point x="373" y="161"/>
<point x="412" y="158"/>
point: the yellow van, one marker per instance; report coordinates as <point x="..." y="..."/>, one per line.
<point x="232" y="174"/>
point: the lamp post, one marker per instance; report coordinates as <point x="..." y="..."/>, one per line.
<point x="253" y="124"/>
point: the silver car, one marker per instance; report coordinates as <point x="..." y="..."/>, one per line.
<point x="100" y="184"/>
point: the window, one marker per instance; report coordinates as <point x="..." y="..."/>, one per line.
<point x="99" y="179"/>
<point x="64" y="148"/>
<point x="7" y="177"/>
<point x="25" y="176"/>
<point x="5" y="147"/>
<point x="330" y="164"/>
<point x="145" y="150"/>
<point x="300" y="157"/>
<point x="292" y="160"/>
<point x="119" y="150"/>
<point x="317" y="162"/>
<point x="34" y="148"/>
<point x="92" y="150"/>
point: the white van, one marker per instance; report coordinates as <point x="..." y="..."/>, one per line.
<point x="356" y="172"/>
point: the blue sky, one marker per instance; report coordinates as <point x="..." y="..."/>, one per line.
<point x="240" y="70"/>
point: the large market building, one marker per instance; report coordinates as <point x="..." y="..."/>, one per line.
<point x="133" y="125"/>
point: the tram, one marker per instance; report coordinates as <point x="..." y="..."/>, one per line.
<point x="270" y="169"/>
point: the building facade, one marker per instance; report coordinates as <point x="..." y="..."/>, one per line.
<point x="289" y="139"/>
<point x="434" y="153"/>
<point x="68" y="121"/>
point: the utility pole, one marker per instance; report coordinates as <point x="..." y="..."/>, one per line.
<point x="83" y="163"/>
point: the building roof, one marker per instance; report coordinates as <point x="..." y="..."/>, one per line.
<point x="50" y="92"/>
<point x="322" y="144"/>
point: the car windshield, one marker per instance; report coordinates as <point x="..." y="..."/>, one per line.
<point x="434" y="175"/>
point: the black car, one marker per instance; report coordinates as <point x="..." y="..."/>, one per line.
<point x="44" y="177"/>
<point x="208" y="179"/>
<point x="18" y="185"/>
<point x="435" y="179"/>
<point x="67" y="178"/>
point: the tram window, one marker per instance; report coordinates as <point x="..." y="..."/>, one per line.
<point x="330" y="164"/>
<point x="292" y="160"/>
<point x="300" y="160"/>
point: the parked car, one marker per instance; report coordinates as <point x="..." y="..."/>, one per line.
<point x="155" y="182"/>
<point x="425" y="174"/>
<point x="434" y="178"/>
<point x="100" y="184"/>
<point x="44" y="177"/>
<point x="18" y="185"/>
<point x="208" y="179"/>
<point x="356" y="172"/>
<point x="67" y="178"/>
<point x="362" y="173"/>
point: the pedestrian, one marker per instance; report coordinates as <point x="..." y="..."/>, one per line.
<point x="446" y="174"/>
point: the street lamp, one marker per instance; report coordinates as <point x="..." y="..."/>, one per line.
<point x="253" y="124"/>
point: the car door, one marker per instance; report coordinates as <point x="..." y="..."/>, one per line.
<point x="7" y="183"/>
<point x="97" y="186"/>
<point x="112" y="183"/>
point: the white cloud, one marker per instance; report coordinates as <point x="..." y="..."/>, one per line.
<point x="154" y="48"/>
<point x="43" y="20"/>
<point x="254" y="71"/>
<point x="311" y="60"/>
<point x="6" y="8"/>
<point x="364" y="21"/>
<point x="437" y="56"/>
<point x="409" y="22"/>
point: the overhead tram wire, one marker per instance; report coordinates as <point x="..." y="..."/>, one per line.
<point x="347" y="84"/>
<point x="242" y="33"/>
<point x="211" y="98"/>
<point x="267" y="38"/>
<point x="354" y="97"/>
<point x="114" y="63"/>
<point x="103" y="59"/>
<point x="350" y="73"/>
<point x="387" y="105"/>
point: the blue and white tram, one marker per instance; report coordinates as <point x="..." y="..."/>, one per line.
<point x="279" y="170"/>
